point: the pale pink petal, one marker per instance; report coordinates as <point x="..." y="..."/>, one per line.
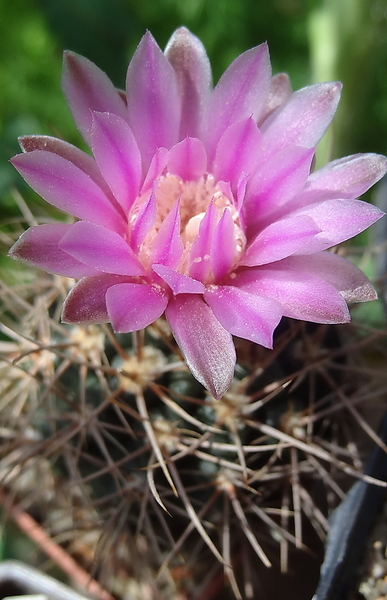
<point x="201" y="250"/>
<point x="167" y="246"/>
<point x="275" y="183"/>
<point x="302" y="295"/>
<point x="352" y="284"/>
<point x="279" y="92"/>
<point x="118" y="157"/>
<point x="188" y="57"/>
<point x="133" y="306"/>
<point x="179" y="284"/>
<point x="154" y="104"/>
<point x="238" y="152"/>
<point x="241" y="92"/>
<point x="338" y="220"/>
<point x="207" y="347"/>
<point x="223" y="247"/>
<point x="64" y="185"/>
<point x="303" y="119"/>
<point x="38" y="246"/>
<point x="86" y="302"/>
<point x="157" y="166"/>
<point x="101" y="248"/>
<point x="188" y="159"/>
<point x="88" y="89"/>
<point x="350" y="177"/>
<point x="243" y="314"/>
<point x="279" y="240"/>
<point x="142" y="221"/>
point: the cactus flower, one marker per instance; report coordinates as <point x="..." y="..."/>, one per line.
<point x="198" y="202"/>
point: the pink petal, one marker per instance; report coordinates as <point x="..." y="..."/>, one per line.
<point x="142" y="221"/>
<point x="280" y="91"/>
<point x="243" y="314"/>
<point x="86" y="302"/>
<point x="207" y="347"/>
<point x="238" y="151"/>
<point x="101" y="248"/>
<point x="188" y="159"/>
<point x="279" y="240"/>
<point x="154" y="103"/>
<point x="240" y="93"/>
<point x="275" y="183"/>
<point x="188" y="57"/>
<point x="133" y="306"/>
<point x="64" y="185"/>
<point x="117" y="156"/>
<point x="38" y="246"/>
<point x="88" y="89"/>
<point x="352" y="284"/>
<point x="350" y="177"/>
<point x="201" y="249"/>
<point x="179" y="284"/>
<point x="223" y="247"/>
<point x="157" y="166"/>
<point x="167" y="246"/>
<point x="304" y="118"/>
<point x="302" y="295"/>
<point x="338" y="220"/>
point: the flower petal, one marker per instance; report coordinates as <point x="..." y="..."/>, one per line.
<point x="302" y="295"/>
<point x="118" y="157"/>
<point x="179" y="284"/>
<point x="167" y="246"/>
<point x="188" y="159"/>
<point x="87" y="89"/>
<point x="351" y="176"/>
<point x="207" y="347"/>
<point x="39" y="246"/>
<point x="238" y="152"/>
<point x="304" y="118"/>
<point x="101" y="248"/>
<point x="201" y="249"/>
<point x="223" y="247"/>
<point x="86" y="302"/>
<point x="188" y="57"/>
<point x="339" y="220"/>
<point x="279" y="240"/>
<point x="157" y="166"/>
<point x="154" y="103"/>
<point x="352" y="284"/>
<point x="64" y="185"/>
<point x="133" y="306"/>
<point x="142" y="221"/>
<point x="240" y="93"/>
<point x="243" y="314"/>
<point x="279" y="92"/>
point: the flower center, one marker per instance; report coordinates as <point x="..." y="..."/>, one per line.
<point x="195" y="198"/>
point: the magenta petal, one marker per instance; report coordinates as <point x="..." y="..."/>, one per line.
<point x="279" y="240"/>
<point x="207" y="347"/>
<point x="142" y="221"/>
<point x="339" y="220"/>
<point x="188" y="159"/>
<point x="223" y="247"/>
<point x="154" y="104"/>
<point x="167" y="246"/>
<point x="38" y="246"/>
<point x="117" y="156"/>
<point x="280" y="91"/>
<point x="157" y="166"/>
<point x="352" y="284"/>
<point x="188" y="57"/>
<point x="201" y="250"/>
<point x="88" y="89"/>
<point x="101" y="248"/>
<point x="67" y="187"/>
<point x="243" y="314"/>
<point x="86" y="302"/>
<point x="238" y="151"/>
<point x="303" y="119"/>
<point x="179" y="284"/>
<point x="350" y="177"/>
<point x="240" y="93"/>
<point x="133" y="306"/>
<point x="302" y="295"/>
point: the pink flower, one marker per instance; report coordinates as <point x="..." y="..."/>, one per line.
<point x="199" y="203"/>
